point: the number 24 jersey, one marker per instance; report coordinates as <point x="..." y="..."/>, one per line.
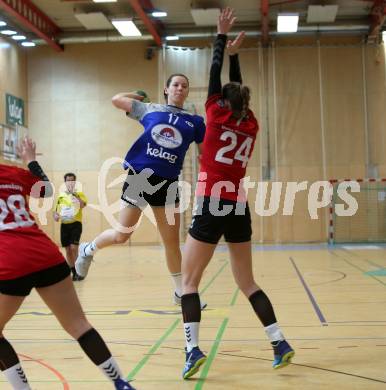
<point x="227" y="147"/>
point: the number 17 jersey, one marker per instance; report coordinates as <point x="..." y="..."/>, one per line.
<point x="227" y="147"/>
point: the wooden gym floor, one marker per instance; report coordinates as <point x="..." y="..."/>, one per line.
<point x="330" y="303"/>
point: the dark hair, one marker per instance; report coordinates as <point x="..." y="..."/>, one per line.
<point x="169" y="81"/>
<point x="68" y="175"/>
<point x="238" y="96"/>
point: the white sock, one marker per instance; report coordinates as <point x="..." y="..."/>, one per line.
<point x="191" y="334"/>
<point x="91" y="248"/>
<point x="274" y="332"/>
<point x="177" y="279"/>
<point x="111" y="369"/>
<point x="16" y="377"/>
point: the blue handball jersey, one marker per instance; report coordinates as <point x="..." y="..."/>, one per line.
<point x="168" y="132"/>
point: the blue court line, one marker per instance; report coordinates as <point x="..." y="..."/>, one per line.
<point x="300" y="247"/>
<point x="290" y="247"/>
<point x="356" y="321"/>
<point x="359" y="245"/>
<point x="279" y="247"/>
<point x="308" y="291"/>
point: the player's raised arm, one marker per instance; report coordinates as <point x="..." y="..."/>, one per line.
<point x="224" y="24"/>
<point x="27" y="151"/>
<point x="124" y="100"/>
<point x="234" y="65"/>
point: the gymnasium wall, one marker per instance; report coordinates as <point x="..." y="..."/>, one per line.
<point x="13" y="78"/>
<point x="326" y="122"/>
<point x="321" y="111"/>
<point x="75" y="124"/>
<point x="319" y="120"/>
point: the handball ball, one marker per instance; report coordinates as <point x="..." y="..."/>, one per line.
<point x="144" y="94"/>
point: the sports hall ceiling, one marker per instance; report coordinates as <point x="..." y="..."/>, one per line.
<point x="61" y="22"/>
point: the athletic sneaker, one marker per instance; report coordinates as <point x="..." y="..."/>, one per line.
<point x="77" y="278"/>
<point x="283" y="353"/>
<point x="121" y="384"/>
<point x="83" y="262"/>
<point x="194" y="359"/>
<point x="177" y="301"/>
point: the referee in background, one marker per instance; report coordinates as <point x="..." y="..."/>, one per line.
<point x="68" y="211"/>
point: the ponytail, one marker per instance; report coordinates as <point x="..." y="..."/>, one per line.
<point x="245" y="97"/>
<point x="238" y="96"/>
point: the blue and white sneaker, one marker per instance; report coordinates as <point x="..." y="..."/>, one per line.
<point x="194" y="360"/>
<point x="283" y="353"/>
<point x="83" y="262"/>
<point x="121" y="384"/>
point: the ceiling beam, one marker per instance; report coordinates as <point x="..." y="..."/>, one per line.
<point x="377" y="18"/>
<point x="264" y="22"/>
<point x="285" y="2"/>
<point x="32" y="18"/>
<point x="148" y="7"/>
<point x="138" y="8"/>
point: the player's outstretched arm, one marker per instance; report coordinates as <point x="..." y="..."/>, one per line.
<point x="27" y="151"/>
<point x="233" y="47"/>
<point x="224" y="24"/>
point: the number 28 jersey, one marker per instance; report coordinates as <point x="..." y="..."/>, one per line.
<point x="227" y="147"/>
<point x="24" y="248"/>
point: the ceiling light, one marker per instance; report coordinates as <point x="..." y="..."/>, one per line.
<point x="159" y="14"/>
<point x="18" y="37"/>
<point x="172" y="38"/>
<point x="126" y="27"/>
<point x="205" y="16"/>
<point x="94" y="21"/>
<point x="2" y="24"/>
<point x="322" y="13"/>
<point x="28" y="44"/>
<point x="105" y="1"/>
<point x="287" y="22"/>
<point x="8" y="32"/>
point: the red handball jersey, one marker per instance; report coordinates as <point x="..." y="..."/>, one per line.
<point x="24" y="248"/>
<point x="227" y="146"/>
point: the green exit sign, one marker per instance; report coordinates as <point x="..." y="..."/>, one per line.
<point x="14" y="108"/>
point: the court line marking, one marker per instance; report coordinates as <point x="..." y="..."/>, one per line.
<point x="306" y="366"/>
<point x="319" y="313"/>
<point x="216" y="344"/>
<point x="151" y="351"/>
<point x="312" y="367"/>
<point x="148" y="343"/>
<point x="56" y="372"/>
<point x="363" y="258"/>
<point x="171" y="328"/>
<point x="355" y="266"/>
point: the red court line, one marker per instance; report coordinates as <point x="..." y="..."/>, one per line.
<point x="56" y="373"/>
